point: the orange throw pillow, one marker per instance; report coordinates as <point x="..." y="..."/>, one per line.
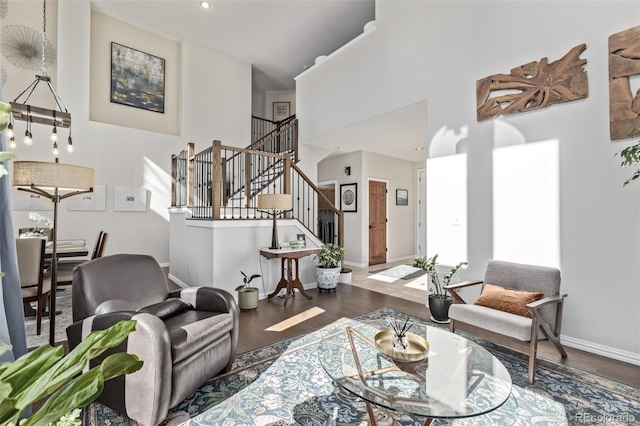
<point x="506" y="300"/>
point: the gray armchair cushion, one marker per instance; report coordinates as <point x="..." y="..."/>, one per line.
<point x="191" y="331"/>
<point x="501" y="322"/>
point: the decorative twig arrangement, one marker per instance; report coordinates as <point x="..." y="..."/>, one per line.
<point x="400" y="332"/>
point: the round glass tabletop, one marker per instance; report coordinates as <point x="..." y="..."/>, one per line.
<point x="458" y="378"/>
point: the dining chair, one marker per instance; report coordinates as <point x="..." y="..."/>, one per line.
<point x="33" y="283"/>
<point x="65" y="266"/>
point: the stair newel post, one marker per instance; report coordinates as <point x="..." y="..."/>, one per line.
<point x="295" y="140"/>
<point x="286" y="178"/>
<point x="217" y="179"/>
<point x="191" y="152"/>
<point x="174" y="177"/>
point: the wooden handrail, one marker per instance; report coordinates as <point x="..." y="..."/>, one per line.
<point x="277" y="173"/>
<point x="329" y="202"/>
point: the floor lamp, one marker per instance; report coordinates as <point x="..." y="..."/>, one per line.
<point x="274" y="204"/>
<point x="48" y="180"/>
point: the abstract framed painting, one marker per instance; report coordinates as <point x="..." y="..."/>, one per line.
<point x="137" y="78"/>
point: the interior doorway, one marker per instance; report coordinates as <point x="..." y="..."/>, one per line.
<point x="326" y="217"/>
<point x="377" y="222"/>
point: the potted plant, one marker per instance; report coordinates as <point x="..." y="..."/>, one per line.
<point x="247" y="296"/>
<point x="439" y="300"/>
<point x="37" y="230"/>
<point x="328" y="272"/>
<point x="45" y="374"/>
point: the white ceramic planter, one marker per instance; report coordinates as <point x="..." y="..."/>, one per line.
<point x="345" y="276"/>
<point x="327" y="278"/>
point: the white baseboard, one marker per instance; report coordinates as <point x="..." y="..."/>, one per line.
<point x="595" y="348"/>
<point x="398" y="259"/>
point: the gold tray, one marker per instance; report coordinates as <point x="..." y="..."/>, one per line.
<point x="417" y="351"/>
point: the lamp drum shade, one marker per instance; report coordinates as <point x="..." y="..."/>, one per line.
<point x="52" y="175"/>
<point x="274" y="201"/>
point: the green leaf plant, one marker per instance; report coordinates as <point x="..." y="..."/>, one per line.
<point x="429" y="265"/>
<point x="330" y="255"/>
<point x="246" y="280"/>
<point x="46" y="374"/>
<point x="630" y="157"/>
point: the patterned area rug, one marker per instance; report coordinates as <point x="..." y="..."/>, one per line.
<point x="284" y="384"/>
<point x="63" y="320"/>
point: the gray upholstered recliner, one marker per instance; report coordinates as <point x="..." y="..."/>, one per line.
<point x="545" y="314"/>
<point x="184" y="337"/>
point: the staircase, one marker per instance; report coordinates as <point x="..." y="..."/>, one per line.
<point x="222" y="182"/>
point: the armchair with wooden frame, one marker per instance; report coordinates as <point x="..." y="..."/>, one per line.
<point x="535" y="320"/>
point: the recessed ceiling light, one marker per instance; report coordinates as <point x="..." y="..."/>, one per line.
<point x="420" y="148"/>
<point x="205" y="4"/>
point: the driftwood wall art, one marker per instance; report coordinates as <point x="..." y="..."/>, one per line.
<point x="535" y="85"/>
<point x="624" y="62"/>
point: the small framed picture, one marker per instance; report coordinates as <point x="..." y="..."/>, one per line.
<point x="349" y="197"/>
<point x="402" y="197"/>
<point x="301" y="237"/>
<point x="281" y="110"/>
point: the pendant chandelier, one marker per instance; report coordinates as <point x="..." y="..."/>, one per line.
<point x="22" y="111"/>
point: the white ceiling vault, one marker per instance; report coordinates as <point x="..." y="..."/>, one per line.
<point x="279" y="38"/>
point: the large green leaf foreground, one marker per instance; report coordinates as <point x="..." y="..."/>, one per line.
<point x="47" y="373"/>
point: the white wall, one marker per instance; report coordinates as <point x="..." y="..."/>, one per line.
<point x="435" y="51"/>
<point x="104" y="31"/>
<point x="212" y="253"/>
<point x="212" y="108"/>
<point x="398" y="174"/>
<point x="401" y="224"/>
<point x="332" y="168"/>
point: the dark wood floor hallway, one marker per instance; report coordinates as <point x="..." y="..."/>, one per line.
<point x="350" y="301"/>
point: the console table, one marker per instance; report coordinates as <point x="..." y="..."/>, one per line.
<point x="289" y="256"/>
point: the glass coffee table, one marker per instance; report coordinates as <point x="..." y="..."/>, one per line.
<point x="456" y="378"/>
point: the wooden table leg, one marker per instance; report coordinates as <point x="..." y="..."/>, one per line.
<point x="298" y="284"/>
<point x="281" y="284"/>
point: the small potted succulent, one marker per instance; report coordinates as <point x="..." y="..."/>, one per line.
<point x="439" y="299"/>
<point x="328" y="272"/>
<point x="247" y="296"/>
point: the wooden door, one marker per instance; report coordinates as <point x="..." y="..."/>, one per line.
<point x="377" y="222"/>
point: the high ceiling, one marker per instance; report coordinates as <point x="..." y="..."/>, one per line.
<point x="279" y="38"/>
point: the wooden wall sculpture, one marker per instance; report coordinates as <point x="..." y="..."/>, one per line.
<point x="539" y="84"/>
<point x="624" y="61"/>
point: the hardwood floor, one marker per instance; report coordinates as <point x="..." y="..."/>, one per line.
<point x="350" y="301"/>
